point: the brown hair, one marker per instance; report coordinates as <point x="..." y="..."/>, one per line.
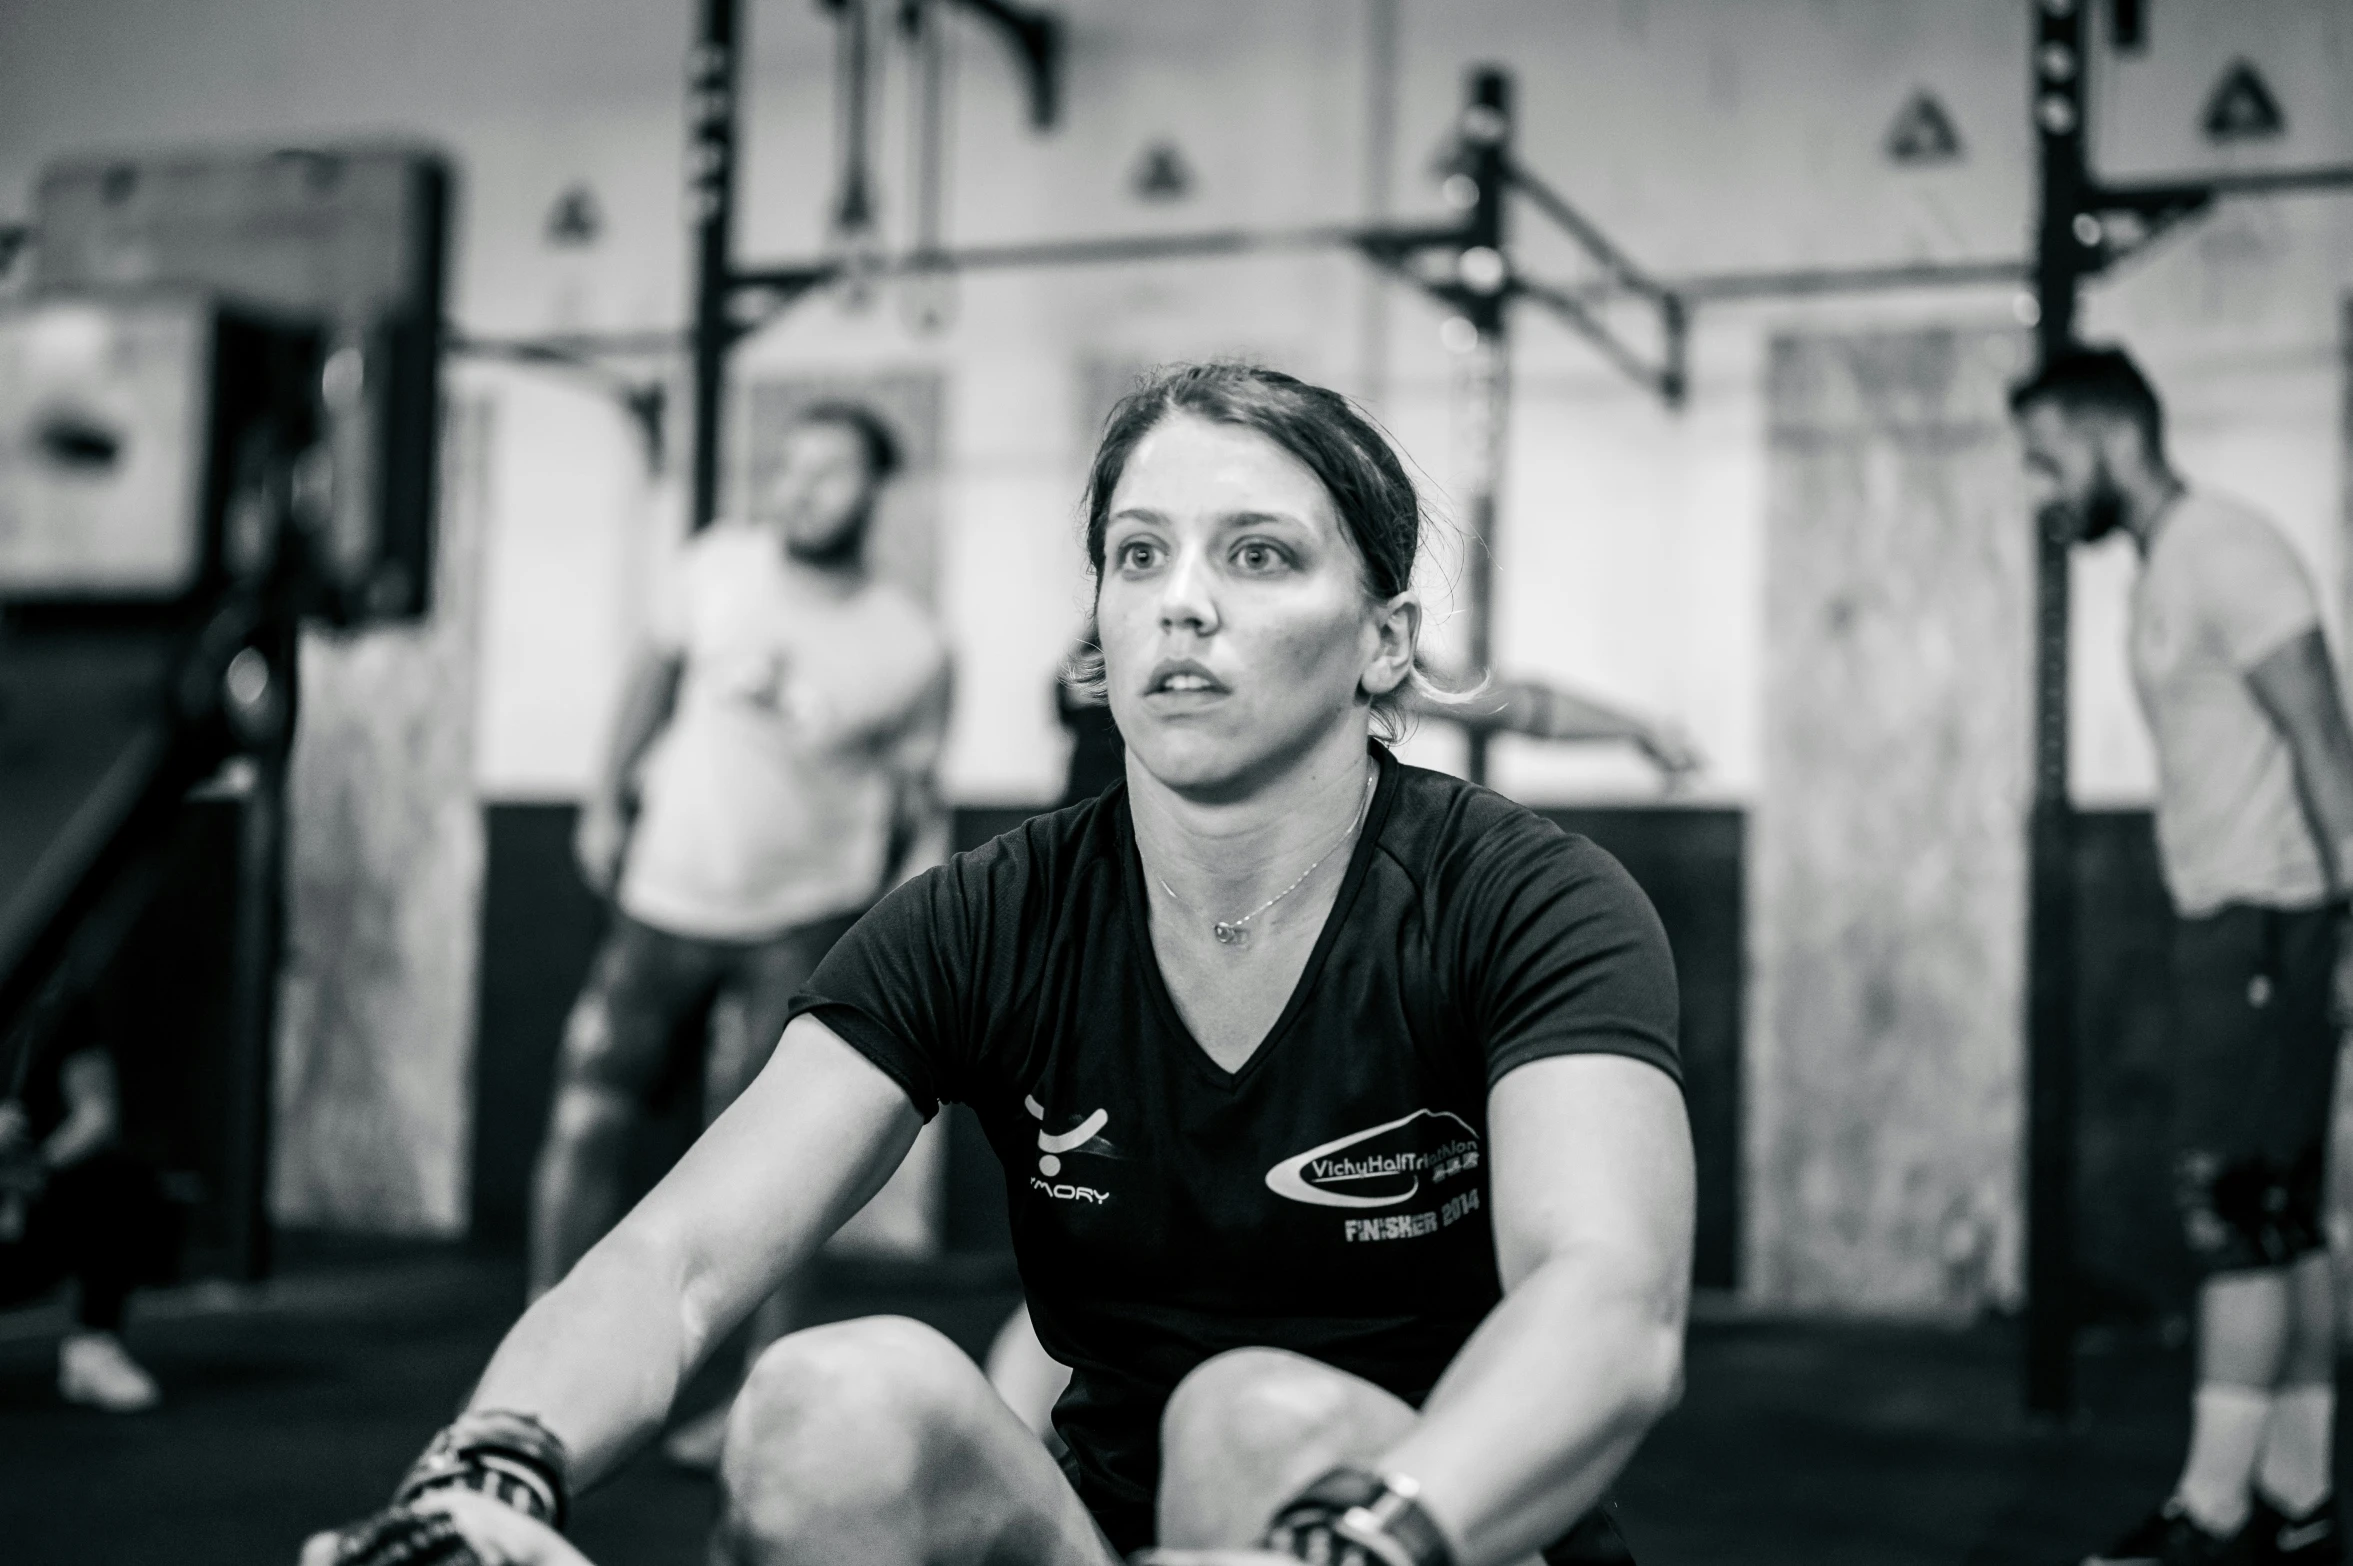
<point x="1378" y="506"/>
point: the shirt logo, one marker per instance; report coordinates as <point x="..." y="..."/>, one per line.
<point x="1053" y="1144"/>
<point x="1382" y="1165"/>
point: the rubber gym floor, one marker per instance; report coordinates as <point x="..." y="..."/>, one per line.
<point x="296" y="1404"/>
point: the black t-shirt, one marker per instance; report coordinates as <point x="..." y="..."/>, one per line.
<point x="1330" y="1197"/>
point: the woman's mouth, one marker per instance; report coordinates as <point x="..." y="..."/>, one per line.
<point x="1183" y="677"/>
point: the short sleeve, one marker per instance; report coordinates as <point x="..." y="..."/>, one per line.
<point x="2253" y="590"/>
<point x="912" y="985"/>
<point x="1562" y="953"/>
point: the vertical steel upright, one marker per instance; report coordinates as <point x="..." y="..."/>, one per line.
<point x="2066" y="249"/>
<point x="710" y="197"/>
<point x="1484" y="280"/>
<point x="258" y="936"/>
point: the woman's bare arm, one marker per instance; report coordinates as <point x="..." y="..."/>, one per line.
<point x="1593" y="1191"/>
<point x="600" y="1356"/>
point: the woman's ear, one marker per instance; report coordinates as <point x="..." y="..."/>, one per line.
<point x="1397" y="632"/>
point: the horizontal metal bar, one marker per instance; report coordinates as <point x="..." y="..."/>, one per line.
<point x="578" y="354"/>
<point x="578" y="347"/>
<point x="566" y="347"/>
<point x="1800" y="282"/>
<point x="2250" y="182"/>
<point x="1104" y="248"/>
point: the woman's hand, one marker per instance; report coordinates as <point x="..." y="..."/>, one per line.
<point x="498" y="1534"/>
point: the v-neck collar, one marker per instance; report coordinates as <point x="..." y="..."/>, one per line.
<point x="1139" y="918"/>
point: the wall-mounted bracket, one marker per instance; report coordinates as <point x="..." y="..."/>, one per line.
<point x="1037" y="41"/>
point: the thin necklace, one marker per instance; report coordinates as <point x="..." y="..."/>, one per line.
<point x="1236" y="932"/>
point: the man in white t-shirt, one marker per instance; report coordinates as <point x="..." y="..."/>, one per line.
<point x="770" y="776"/>
<point x="2255" y="831"/>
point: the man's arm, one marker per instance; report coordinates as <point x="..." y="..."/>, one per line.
<point x="92" y="1108"/>
<point x="1541" y="710"/>
<point x="1592" y="1185"/>
<point x="600" y="1356"/>
<point x="2297" y="687"/>
<point x="649" y="694"/>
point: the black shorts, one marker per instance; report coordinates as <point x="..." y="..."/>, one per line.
<point x="2256" y="1064"/>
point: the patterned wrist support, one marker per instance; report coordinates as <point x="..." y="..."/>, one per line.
<point x="509" y="1457"/>
<point x="1354" y="1517"/>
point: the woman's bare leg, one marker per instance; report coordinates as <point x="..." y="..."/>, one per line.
<point x="878" y="1443"/>
<point x="1253" y="1427"/>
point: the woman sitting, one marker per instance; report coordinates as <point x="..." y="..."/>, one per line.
<point x="1338" y="1104"/>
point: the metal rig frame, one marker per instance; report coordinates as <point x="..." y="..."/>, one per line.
<point x="1464" y="265"/>
<point x="2083" y="228"/>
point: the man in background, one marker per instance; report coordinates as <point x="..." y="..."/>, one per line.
<point x="2255" y="829"/>
<point x="770" y="775"/>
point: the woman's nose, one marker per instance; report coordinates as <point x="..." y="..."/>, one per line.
<point x="1186" y="598"/>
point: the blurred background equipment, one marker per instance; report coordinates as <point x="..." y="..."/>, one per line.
<point x="353" y="238"/>
<point x="142" y="431"/>
<point x="218" y="416"/>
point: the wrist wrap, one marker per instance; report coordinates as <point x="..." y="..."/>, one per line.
<point x="509" y="1457"/>
<point x="397" y="1536"/>
<point x="1354" y="1517"/>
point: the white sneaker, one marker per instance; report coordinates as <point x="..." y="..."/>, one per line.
<point x="96" y="1371"/>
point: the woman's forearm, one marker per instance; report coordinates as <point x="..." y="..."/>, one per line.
<point x="1543" y="1407"/>
<point x="598" y="1358"/>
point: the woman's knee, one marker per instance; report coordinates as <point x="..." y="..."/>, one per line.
<point x="841" y="1426"/>
<point x="1256" y="1400"/>
<point x="1253" y="1426"/>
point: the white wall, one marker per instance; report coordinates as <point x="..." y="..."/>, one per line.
<point x="1705" y="136"/>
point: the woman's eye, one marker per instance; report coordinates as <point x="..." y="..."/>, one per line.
<point x="1135" y="556"/>
<point x="1258" y="557"/>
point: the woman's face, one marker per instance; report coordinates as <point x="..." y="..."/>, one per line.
<point x="1235" y="627"/>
